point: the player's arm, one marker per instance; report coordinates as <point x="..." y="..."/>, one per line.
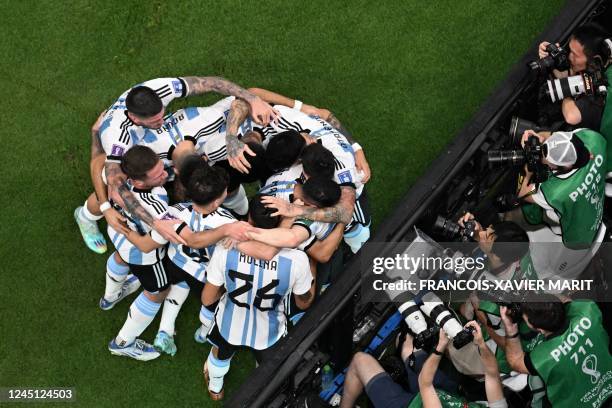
<point x="342" y="212"/>
<point x="304" y="300"/>
<point x="278" y="99"/>
<point x="322" y="251"/>
<point x="96" y="145"/>
<point x="201" y="239"/>
<point x="261" y="112"/>
<point x="213" y="289"/>
<point x="307" y="286"/>
<point x="145" y="243"/>
<point x="236" y="149"/>
<point x="258" y="250"/>
<point x="513" y="348"/>
<point x="280" y="237"/>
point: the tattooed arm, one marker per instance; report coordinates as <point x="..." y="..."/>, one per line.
<point x="342" y="212"/>
<point x="261" y="112"/>
<point x="333" y="120"/>
<point x="278" y="99"/>
<point x="235" y="148"/>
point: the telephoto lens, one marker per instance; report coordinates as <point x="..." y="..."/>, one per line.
<point x="435" y="309"/>
<point x="518" y="126"/>
<point x="423" y="335"/>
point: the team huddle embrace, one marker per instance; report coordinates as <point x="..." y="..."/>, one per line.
<point x="171" y="187"/>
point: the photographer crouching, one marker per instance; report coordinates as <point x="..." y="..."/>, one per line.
<point x="573" y="360"/>
<point x="563" y="195"/>
<point x="579" y="82"/>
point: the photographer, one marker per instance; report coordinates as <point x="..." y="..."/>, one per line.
<point x="570" y="201"/>
<point x="586" y="51"/>
<point x="573" y="356"/>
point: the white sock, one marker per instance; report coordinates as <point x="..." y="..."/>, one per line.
<point x="172" y="305"/>
<point x="85" y="215"/>
<point x="141" y="314"/>
<point x="238" y="202"/>
<point x="206" y="317"/>
<point x="216" y="371"/>
<point x="115" y="276"/>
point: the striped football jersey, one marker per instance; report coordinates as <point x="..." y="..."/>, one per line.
<point x="194" y="261"/>
<point x="118" y="133"/>
<point x="252" y="311"/>
<point x="155" y="202"/>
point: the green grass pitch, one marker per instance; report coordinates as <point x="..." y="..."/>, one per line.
<point x="403" y="75"/>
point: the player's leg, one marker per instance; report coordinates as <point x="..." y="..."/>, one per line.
<point x="141" y="314"/>
<point x="182" y="284"/>
<point x="217" y="364"/>
<point x="86" y="217"/>
<point x="119" y="283"/>
<point x="164" y="340"/>
<point x="207" y="314"/>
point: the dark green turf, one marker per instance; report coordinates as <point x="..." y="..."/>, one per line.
<point x="404" y="77"/>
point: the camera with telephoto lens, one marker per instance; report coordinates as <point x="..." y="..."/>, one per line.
<point x="590" y="82"/>
<point x="451" y="230"/>
<point x="531" y="154"/>
<point x="518" y="126"/>
<point x="423" y="335"/>
<point x="434" y="308"/>
<point x="557" y="58"/>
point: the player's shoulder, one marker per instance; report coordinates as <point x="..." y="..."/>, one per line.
<point x="296" y="255"/>
<point x="222" y="212"/>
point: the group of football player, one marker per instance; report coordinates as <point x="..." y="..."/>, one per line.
<point x="171" y="187"/>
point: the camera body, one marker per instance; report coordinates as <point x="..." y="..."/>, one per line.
<point x="531" y="155"/>
<point x="557" y="58"/>
<point x="451" y="230"/>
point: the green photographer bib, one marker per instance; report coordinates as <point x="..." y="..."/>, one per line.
<point x="606" y="120"/>
<point x="447" y="401"/>
<point x="577" y="199"/>
<point x="576" y="365"/>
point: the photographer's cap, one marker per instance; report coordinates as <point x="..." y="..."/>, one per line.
<point x="560" y="150"/>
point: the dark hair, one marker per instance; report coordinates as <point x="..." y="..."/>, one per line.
<point x="548" y="313"/>
<point x="284" y="149"/>
<point x="204" y="184"/>
<point x="318" y="161"/>
<point x="143" y="102"/>
<point x="261" y="215"/>
<point x="591" y="36"/>
<point x="137" y="161"/>
<point x="321" y="191"/>
<point x="511" y="241"/>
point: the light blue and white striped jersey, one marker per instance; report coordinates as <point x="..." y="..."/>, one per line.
<point x="334" y="141"/>
<point x="252" y="311"/>
<point x="194" y="261"/>
<point x="155" y="202"/>
<point x="204" y="126"/>
<point x="118" y="133"/>
<point x="281" y="184"/>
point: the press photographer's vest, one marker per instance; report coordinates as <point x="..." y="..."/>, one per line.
<point x="576" y="365"/>
<point x="577" y="199"/>
<point x="447" y="400"/>
<point x="606" y="120"/>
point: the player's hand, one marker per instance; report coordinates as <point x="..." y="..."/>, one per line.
<point x="282" y="207"/>
<point x="238" y="230"/>
<point x="314" y="111"/>
<point x="477" y="333"/>
<point x="166" y="229"/>
<point x="510" y="327"/>
<point x="261" y="112"/>
<point x="116" y="221"/>
<point x="229" y="243"/>
<point x="362" y="166"/>
<point x="236" y="151"/>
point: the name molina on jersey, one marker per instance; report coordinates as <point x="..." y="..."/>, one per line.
<point x="269" y="265"/>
